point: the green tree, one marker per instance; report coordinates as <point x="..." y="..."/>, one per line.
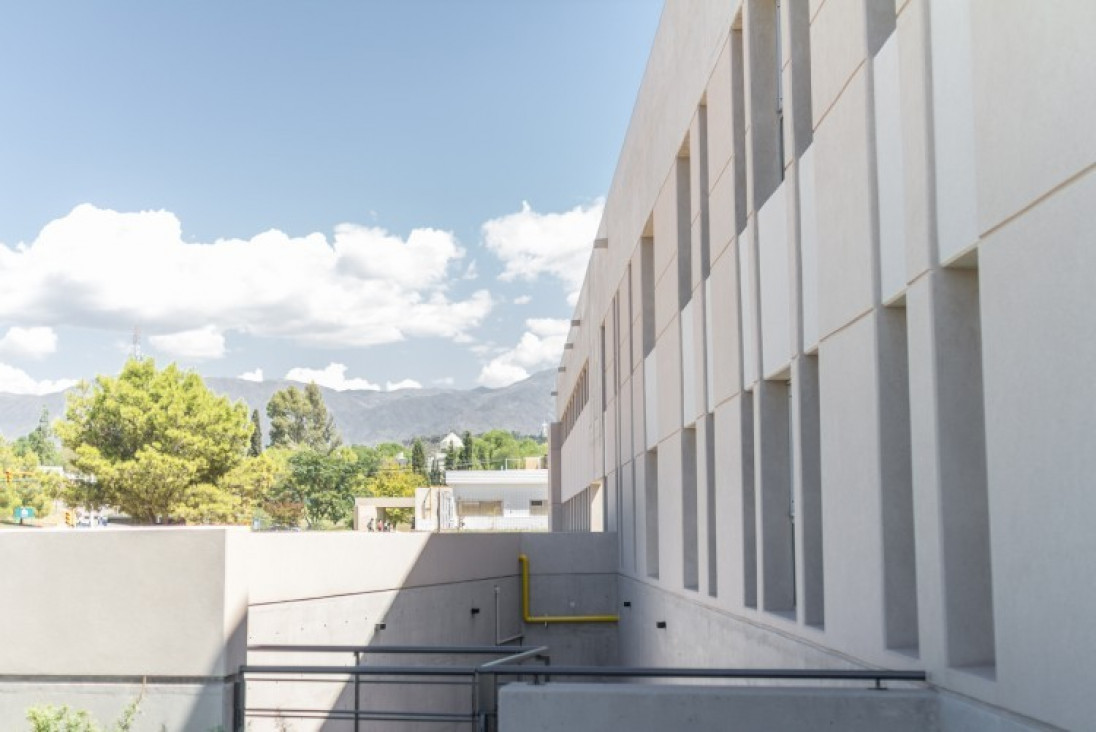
<point x="41" y="442"/>
<point x="322" y="484"/>
<point x="418" y="457"/>
<point x="240" y="492"/>
<point x="499" y="449"/>
<point x="300" y="419"/>
<point x="468" y="452"/>
<point x="368" y="459"/>
<point x="256" y="447"/>
<point x="157" y="443"/>
<point x="23" y="484"/>
<point x="452" y="457"/>
<point x="389" y="450"/>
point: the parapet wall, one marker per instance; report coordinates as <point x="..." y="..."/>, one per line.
<point x="91" y="616"/>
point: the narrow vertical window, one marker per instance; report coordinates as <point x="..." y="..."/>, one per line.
<point x="899" y="564"/>
<point x="684" y="228"/>
<point x="808" y="509"/>
<point x="964" y="496"/>
<point x="650" y="479"/>
<point x="775" y="499"/>
<point x="713" y="528"/>
<point x="647" y="292"/>
<point x="749" y="507"/>
<point x="689" y="510"/>
<point x="738" y="124"/>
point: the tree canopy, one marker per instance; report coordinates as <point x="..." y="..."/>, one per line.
<point x="158" y="443"/>
<point x="22" y="484"/>
<point x="256" y="447"/>
<point x="318" y="486"/>
<point x="299" y="419"/>
<point x="41" y="442"/>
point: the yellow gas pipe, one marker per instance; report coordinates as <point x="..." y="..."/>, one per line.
<point x="530" y="618"/>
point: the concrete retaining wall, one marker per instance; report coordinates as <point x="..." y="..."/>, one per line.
<point x="645" y="707"/>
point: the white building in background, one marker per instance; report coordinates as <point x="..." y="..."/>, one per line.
<point x="451" y="440"/>
<point x="486" y="500"/>
<point x="830" y="375"/>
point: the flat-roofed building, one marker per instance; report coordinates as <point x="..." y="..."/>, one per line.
<point x="830" y="375"/>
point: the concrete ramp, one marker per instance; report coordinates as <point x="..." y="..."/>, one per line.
<point x="561" y="707"/>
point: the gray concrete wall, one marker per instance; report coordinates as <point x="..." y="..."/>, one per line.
<point x="165" y="605"/>
<point x="98" y="612"/>
<point x="644" y="707"/>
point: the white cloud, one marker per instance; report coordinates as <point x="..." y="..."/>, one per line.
<point x="523" y="299"/>
<point x="333" y="376"/>
<point x="200" y="343"/>
<point x="539" y="347"/>
<point x="17" y="381"/>
<point x="256" y="375"/>
<point x="36" y="342"/>
<point x="498" y="374"/>
<point x="105" y="269"/>
<point x="559" y="244"/>
<point x="404" y="384"/>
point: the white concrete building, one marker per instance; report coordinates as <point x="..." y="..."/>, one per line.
<point x="486" y="500"/>
<point x="831" y="369"/>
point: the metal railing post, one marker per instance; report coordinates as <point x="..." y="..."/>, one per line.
<point x="357" y="693"/>
<point x="239" y="703"/>
<point x="486" y="699"/>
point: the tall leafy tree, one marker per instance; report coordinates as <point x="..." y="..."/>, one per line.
<point x="256" y="447"/>
<point x="22" y="484"/>
<point x="468" y="452"/>
<point x="321" y="485"/>
<point x="418" y="457"/>
<point x="41" y="442"/>
<point x="299" y="419"/>
<point x="157" y="442"/>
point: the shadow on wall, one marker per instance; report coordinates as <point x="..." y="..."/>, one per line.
<point x="381" y="590"/>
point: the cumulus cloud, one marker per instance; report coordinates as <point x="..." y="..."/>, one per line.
<point x="333" y="376"/>
<point x="540" y="346"/>
<point x="106" y="269"/>
<point x="404" y="384"/>
<point x="37" y="342"/>
<point x="200" y="343"/>
<point x="17" y="381"/>
<point x="256" y="375"/>
<point x="532" y="244"/>
<point x="523" y="299"/>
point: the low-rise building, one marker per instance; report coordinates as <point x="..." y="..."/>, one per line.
<point x="486" y="500"/>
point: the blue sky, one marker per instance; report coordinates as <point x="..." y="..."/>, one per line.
<point x="366" y="193"/>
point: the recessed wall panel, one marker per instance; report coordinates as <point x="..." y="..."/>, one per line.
<point x="890" y="171"/>
<point x="775" y="273"/>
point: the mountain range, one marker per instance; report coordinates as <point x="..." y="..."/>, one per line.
<point x="363" y="417"/>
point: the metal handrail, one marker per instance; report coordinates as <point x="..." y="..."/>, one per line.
<point x="484" y="678"/>
<point x="510" y="655"/>
<point x="418" y="650"/>
<point x="714" y="673"/>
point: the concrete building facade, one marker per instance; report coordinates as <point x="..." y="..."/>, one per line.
<point x="486" y="500"/>
<point x="829" y="375"/>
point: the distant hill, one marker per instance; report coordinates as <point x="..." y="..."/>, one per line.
<point x="363" y="417"/>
